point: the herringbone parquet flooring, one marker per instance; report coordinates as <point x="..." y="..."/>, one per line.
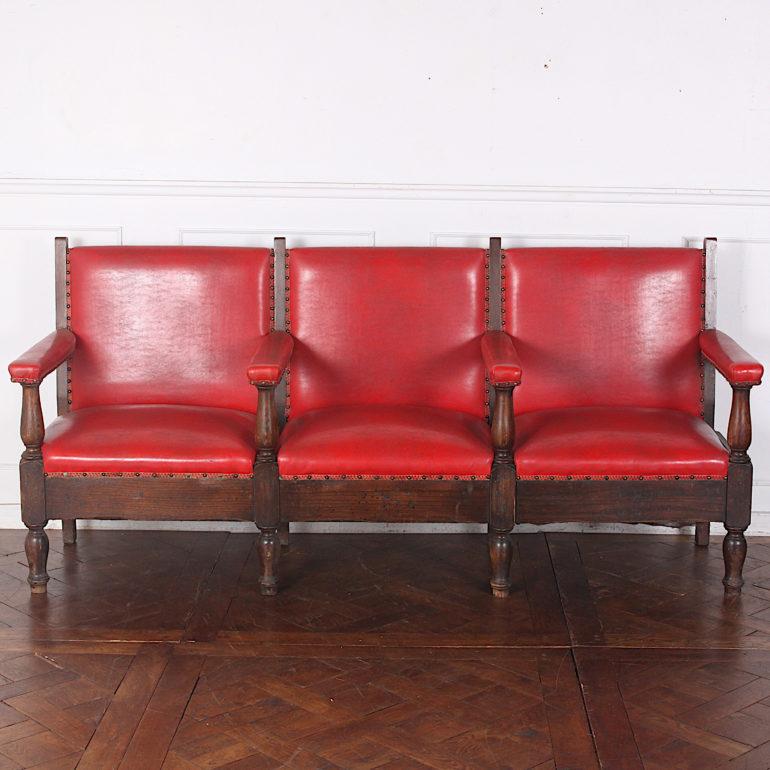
<point x="155" y="650"/>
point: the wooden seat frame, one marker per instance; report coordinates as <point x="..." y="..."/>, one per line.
<point x="504" y="500"/>
<point x="273" y="502"/>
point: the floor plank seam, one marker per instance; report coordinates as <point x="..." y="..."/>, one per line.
<point x="585" y="705"/>
<point x="201" y="587"/>
<point x="93" y="734"/>
<point x="182" y="713"/>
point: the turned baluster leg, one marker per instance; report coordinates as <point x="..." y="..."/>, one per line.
<point x="269" y="553"/>
<point x="702" y="532"/>
<point x="69" y="531"/>
<point x="739" y="478"/>
<point x="32" y="480"/>
<point x="734" y="549"/>
<point x="266" y="506"/>
<point x="502" y="492"/>
<point x="500" y="553"/>
<point x="36" y="548"/>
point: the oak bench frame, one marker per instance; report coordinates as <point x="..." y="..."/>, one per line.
<point x="273" y="502"/>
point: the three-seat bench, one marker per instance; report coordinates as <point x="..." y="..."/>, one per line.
<point x="385" y="382"/>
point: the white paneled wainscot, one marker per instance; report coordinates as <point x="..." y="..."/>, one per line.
<point x="606" y="122"/>
<point x="32" y="214"/>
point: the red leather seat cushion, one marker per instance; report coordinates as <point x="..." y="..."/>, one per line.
<point x="387" y="326"/>
<point x="385" y="441"/>
<point x="616" y="442"/>
<point x="150" y="439"/>
<point x="606" y="326"/>
<point x="166" y="324"/>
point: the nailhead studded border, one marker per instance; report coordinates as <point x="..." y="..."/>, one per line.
<point x="287" y="325"/>
<point x="487" y="384"/>
<point x="68" y="311"/>
<point x="272" y="290"/>
<point x="384" y="477"/>
<point x="144" y="474"/>
<point x="629" y="477"/>
<point x="702" y="326"/>
<point x="502" y="289"/>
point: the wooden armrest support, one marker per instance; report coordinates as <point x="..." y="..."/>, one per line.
<point x="739" y="425"/>
<point x="40" y="360"/>
<point x="730" y="359"/>
<point x="500" y="358"/>
<point x="267" y="423"/>
<point x="503" y="425"/>
<point x="271" y="359"/>
<point x="742" y="371"/>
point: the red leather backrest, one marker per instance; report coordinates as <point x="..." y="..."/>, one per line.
<point x="606" y="326"/>
<point x="167" y="325"/>
<point x="387" y="326"/>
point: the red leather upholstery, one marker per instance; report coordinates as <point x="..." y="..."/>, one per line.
<point x="271" y="359"/>
<point x="41" y="359"/>
<point x="151" y="439"/>
<point x="166" y="325"/>
<point x="386" y="441"/>
<point x="616" y="442"/>
<point x="734" y="363"/>
<point x="606" y="326"/>
<point x="386" y="326"/>
<point x="500" y="358"/>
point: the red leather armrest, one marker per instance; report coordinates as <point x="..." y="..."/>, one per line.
<point x="500" y="358"/>
<point x="271" y="359"/>
<point x="41" y="359"/>
<point x="732" y="361"/>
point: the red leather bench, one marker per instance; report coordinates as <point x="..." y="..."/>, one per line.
<point x="385" y="381"/>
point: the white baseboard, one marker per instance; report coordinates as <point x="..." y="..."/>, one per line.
<point x="10" y="518"/>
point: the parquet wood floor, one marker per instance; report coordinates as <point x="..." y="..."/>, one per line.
<point x="156" y="650"/>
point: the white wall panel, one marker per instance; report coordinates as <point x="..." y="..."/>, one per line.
<point x="522" y="240"/>
<point x="607" y="122"/>
<point x="265" y="238"/>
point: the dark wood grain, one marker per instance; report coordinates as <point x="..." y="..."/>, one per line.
<point x="615" y="739"/>
<point x="145" y="498"/>
<point x="739" y="487"/>
<point x="396" y="500"/>
<point x="116" y="728"/>
<point x="32" y="486"/>
<point x="155" y="649"/>
<point x="666" y="501"/>
<point x="678" y="708"/>
<point x="165" y="709"/>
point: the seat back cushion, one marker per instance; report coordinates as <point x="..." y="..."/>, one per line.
<point x="166" y="325"/>
<point x="606" y="326"/>
<point x="387" y="326"/>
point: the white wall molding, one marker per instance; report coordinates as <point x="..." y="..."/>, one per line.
<point x="377" y="190"/>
